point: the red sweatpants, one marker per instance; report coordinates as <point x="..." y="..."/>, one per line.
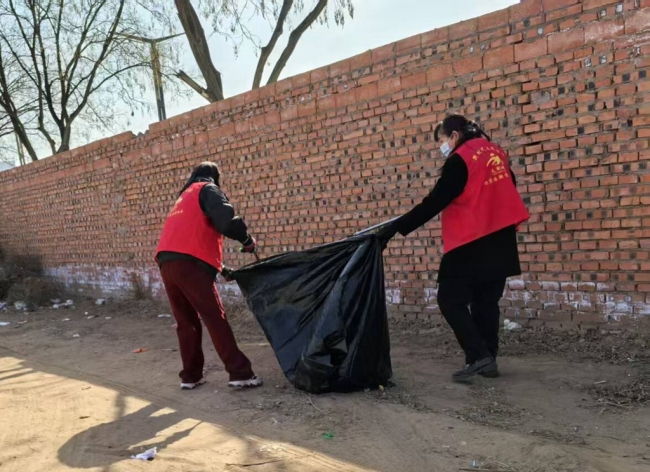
<point x="191" y="291"/>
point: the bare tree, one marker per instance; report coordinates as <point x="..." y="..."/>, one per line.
<point x="230" y="18"/>
<point x="70" y="61"/>
<point x="7" y="151"/>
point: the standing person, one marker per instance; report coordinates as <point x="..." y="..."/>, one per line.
<point x="481" y="210"/>
<point x="190" y="254"/>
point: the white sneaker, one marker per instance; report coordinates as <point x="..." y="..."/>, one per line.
<point x="192" y="386"/>
<point x="254" y="381"/>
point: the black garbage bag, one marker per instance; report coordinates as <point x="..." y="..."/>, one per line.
<point x="323" y="311"/>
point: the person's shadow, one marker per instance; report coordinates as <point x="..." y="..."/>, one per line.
<point x="107" y="443"/>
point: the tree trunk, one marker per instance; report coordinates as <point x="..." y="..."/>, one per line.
<point x="24" y="139"/>
<point x="199" y="44"/>
<point x="65" y="131"/>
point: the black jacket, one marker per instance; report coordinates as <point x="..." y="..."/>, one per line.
<point x="217" y="208"/>
<point x="492" y="256"/>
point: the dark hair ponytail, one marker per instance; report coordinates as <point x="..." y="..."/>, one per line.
<point x="465" y="128"/>
<point x="205" y="170"/>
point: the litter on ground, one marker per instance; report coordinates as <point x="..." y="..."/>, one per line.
<point x="148" y="455"/>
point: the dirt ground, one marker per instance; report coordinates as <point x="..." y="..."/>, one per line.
<point x="567" y="401"/>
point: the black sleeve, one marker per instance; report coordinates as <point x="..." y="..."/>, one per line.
<point x="217" y="208"/>
<point x="449" y="186"/>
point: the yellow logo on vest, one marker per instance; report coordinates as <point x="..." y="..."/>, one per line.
<point x="499" y="172"/>
<point x="494" y="160"/>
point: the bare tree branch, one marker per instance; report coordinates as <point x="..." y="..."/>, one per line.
<point x="57" y="38"/>
<point x="98" y="62"/>
<point x="88" y="23"/>
<point x="12" y="112"/>
<point x="118" y="72"/>
<point x="31" y="45"/>
<point x="294" y="37"/>
<point x="268" y="49"/>
<point x="192" y="83"/>
<point x="45" y="83"/>
<point x="199" y="45"/>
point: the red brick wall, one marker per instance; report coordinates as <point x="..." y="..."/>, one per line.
<point x="562" y="84"/>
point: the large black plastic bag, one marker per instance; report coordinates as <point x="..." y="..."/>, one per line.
<point x="323" y="311"/>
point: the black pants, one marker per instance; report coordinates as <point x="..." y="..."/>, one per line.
<point x="471" y="307"/>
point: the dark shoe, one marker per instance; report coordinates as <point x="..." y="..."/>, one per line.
<point x="485" y="365"/>
<point x="491" y="374"/>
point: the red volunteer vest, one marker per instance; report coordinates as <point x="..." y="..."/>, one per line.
<point x="188" y="231"/>
<point x="489" y="202"/>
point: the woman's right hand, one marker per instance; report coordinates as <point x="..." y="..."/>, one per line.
<point x="386" y="233"/>
<point x="227" y="274"/>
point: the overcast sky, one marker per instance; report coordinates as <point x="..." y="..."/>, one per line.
<point x="375" y="23"/>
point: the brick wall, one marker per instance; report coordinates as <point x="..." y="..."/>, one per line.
<point x="562" y="84"/>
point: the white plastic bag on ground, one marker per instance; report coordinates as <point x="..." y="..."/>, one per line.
<point x="147" y="455"/>
<point x="511" y="325"/>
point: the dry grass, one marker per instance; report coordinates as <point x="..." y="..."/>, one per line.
<point x="35" y="291"/>
<point x="139" y="290"/>
<point x="623" y="396"/>
<point x="21" y="279"/>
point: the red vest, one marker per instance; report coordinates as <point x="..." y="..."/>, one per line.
<point x="188" y="231"/>
<point x="489" y="202"/>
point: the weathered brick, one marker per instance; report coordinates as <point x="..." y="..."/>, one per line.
<point x="383" y="53"/>
<point x="366" y="93"/>
<point x="493" y="20"/>
<point x="603" y="30"/>
<point x="389" y="86"/>
<point x="562" y="41"/>
<point x="463" y="29"/>
<point x="551" y="5"/>
<point x="638" y="21"/>
<point x="468" y="64"/>
<point x="499" y="57"/>
<point x="531" y="50"/>
<point x="590" y="4"/>
<point x="439" y="72"/>
<point x="437" y="36"/>
<point x="525" y="9"/>
<point x="413" y="80"/>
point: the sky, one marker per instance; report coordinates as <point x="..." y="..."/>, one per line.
<point x="375" y="23"/>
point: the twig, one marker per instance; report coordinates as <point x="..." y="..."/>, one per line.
<point x="507" y="466"/>
<point x="273" y="461"/>
<point x="485" y="470"/>
<point x="254" y="464"/>
<point x="613" y="404"/>
<point x="312" y="404"/>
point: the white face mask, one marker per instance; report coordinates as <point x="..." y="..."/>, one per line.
<point x="445" y="149"/>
